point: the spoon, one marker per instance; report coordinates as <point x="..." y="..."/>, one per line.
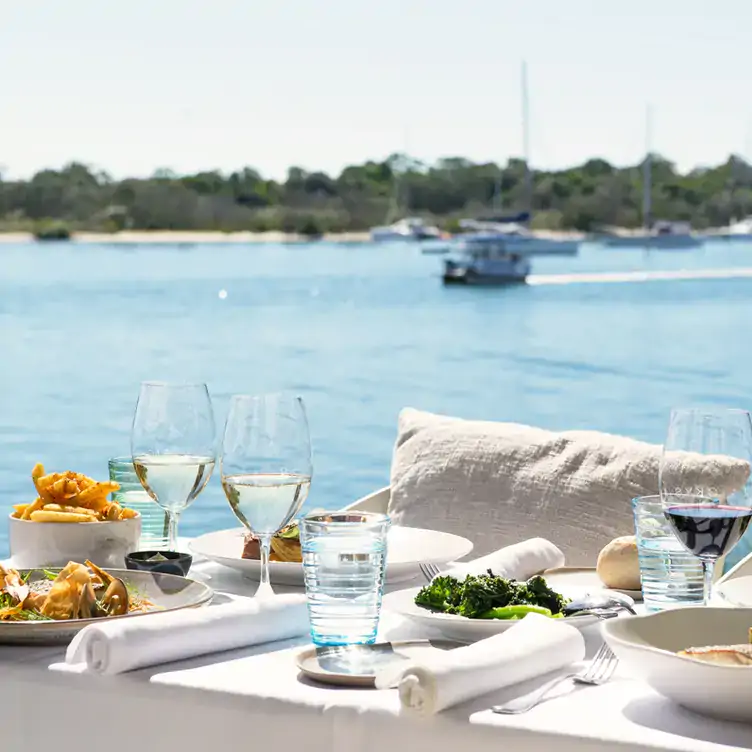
<point x="595" y="602"/>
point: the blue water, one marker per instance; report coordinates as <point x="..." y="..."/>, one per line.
<point x="360" y="332"/>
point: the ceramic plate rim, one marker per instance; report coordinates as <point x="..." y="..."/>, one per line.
<point x="241" y="564"/>
<point x="71" y="624"/>
<point x="635" y="595"/>
<point x="330" y="677"/>
<point x="610" y="633"/>
<point x="728" y="600"/>
<point x="453" y="620"/>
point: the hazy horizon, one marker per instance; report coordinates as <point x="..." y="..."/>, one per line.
<point x="321" y="85"/>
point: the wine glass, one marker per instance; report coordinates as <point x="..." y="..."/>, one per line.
<point x="173" y="444"/>
<point x="266" y="467"/>
<point x="704" y="481"/>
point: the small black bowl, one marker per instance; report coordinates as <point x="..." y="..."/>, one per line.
<point x="164" y="562"/>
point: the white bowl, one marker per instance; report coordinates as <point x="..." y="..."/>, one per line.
<point x="647" y="645"/>
<point x="54" y="544"/>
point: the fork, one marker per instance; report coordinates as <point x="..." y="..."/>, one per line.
<point x="598" y="671"/>
<point x="429" y="571"/>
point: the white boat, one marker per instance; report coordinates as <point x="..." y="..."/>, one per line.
<point x="522" y="240"/>
<point x="661" y="236"/>
<point x="741" y="230"/>
<point x="484" y="259"/>
<point x="657" y="235"/>
<point x="514" y="229"/>
<point x="410" y="228"/>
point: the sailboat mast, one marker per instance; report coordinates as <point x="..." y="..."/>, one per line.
<point x="647" y="173"/>
<point x="528" y="184"/>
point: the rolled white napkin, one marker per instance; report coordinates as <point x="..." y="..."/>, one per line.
<point x="534" y="646"/>
<point x="119" y="645"/>
<point x="519" y="561"/>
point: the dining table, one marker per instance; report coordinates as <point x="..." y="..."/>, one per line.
<point x="256" y="697"/>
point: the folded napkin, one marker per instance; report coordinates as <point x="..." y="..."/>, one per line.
<point x="517" y="562"/>
<point x="119" y="645"/>
<point x="534" y="646"/>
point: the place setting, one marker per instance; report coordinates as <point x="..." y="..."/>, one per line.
<point x="97" y="567"/>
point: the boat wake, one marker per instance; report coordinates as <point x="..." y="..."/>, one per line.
<point x="656" y="276"/>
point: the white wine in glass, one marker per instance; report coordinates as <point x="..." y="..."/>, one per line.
<point x="266" y="467"/>
<point x="173" y="446"/>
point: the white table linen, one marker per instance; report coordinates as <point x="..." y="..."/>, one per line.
<point x="535" y="646"/>
<point x="120" y="645"/>
<point x="255" y="696"/>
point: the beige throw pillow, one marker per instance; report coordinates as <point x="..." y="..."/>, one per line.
<point x="500" y="483"/>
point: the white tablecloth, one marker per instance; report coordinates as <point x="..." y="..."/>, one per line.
<point x="256" y="697"/>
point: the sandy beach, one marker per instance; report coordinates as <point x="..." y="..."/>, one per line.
<point x="182" y="237"/>
<point x="168" y="236"/>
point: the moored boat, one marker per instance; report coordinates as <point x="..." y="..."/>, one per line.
<point x="662" y="235"/>
<point x="484" y="259"/>
<point x="410" y="229"/>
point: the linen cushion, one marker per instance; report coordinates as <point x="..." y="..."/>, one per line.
<point x="500" y="483"/>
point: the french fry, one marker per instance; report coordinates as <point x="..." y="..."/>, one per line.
<point x="19" y="510"/>
<point x="38" y="503"/>
<point x="37" y="472"/>
<point x="42" y="516"/>
<point x="95" y="497"/>
<point x="71" y="497"/>
<point x="69" y="510"/>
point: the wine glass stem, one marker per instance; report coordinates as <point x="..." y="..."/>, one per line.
<point x="708" y="570"/>
<point x="265" y="587"/>
<point x="172" y="531"/>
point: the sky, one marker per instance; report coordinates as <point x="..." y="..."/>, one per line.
<point x="219" y="84"/>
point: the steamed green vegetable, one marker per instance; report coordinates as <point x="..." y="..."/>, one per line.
<point x="487" y="596"/>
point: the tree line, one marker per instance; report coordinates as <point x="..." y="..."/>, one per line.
<point x="587" y="197"/>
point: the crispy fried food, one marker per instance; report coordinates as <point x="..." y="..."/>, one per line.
<point x="69" y="510"/>
<point x="38" y="503"/>
<point x="287" y="549"/>
<point x="71" y="497"/>
<point x="42" y="516"/>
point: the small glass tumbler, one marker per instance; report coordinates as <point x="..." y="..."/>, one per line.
<point x="131" y="494"/>
<point x="344" y="564"/>
<point x="671" y="576"/>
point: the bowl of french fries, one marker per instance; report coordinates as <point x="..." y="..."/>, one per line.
<point x="71" y="519"/>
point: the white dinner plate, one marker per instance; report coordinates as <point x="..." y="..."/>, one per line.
<point x="736" y="593"/>
<point x="583" y="577"/>
<point x="457" y="627"/>
<point x="406" y="548"/>
<point x="647" y="646"/>
<point x="167" y="592"/>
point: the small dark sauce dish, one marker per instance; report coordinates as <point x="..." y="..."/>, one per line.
<point x="167" y="562"/>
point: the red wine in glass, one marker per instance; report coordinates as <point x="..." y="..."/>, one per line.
<point x="708" y="530"/>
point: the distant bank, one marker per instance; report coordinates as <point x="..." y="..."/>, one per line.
<point x="180" y="237"/>
<point x="209" y="236"/>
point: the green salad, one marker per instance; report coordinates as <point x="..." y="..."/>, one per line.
<point x="487" y="596"/>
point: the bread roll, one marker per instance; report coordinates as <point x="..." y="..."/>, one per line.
<point x="618" y="566"/>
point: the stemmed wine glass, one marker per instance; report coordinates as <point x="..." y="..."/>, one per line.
<point x="173" y="443"/>
<point x="709" y="506"/>
<point x="266" y="467"/>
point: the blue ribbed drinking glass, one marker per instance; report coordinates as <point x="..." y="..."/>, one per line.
<point x="344" y="563"/>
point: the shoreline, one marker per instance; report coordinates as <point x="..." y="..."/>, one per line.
<point x="186" y="236"/>
<point x="132" y="237"/>
<point x="190" y="237"/>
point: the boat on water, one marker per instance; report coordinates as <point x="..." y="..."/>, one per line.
<point x="521" y="240"/>
<point x="738" y="230"/>
<point x="661" y="235"/>
<point x="655" y="234"/>
<point x="515" y="230"/>
<point x="484" y="259"/>
<point x="407" y="229"/>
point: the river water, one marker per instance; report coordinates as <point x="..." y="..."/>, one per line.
<point x="359" y="332"/>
